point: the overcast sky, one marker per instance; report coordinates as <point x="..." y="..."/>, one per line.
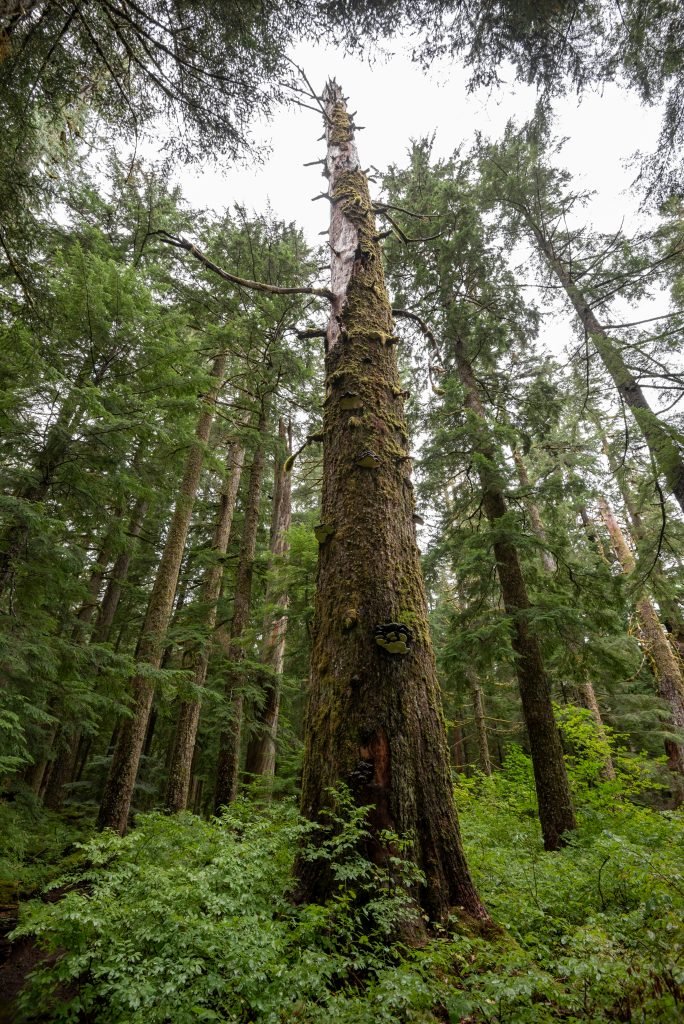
<point x="396" y="101"/>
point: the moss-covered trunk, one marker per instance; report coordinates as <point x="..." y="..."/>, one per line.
<point x="261" y="749"/>
<point x="183" y="747"/>
<point x="230" y="740"/>
<point x="118" y="791"/>
<point x="374" y="718"/>
<point x="556" y="813"/>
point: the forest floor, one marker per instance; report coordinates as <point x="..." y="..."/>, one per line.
<point x="187" y="920"/>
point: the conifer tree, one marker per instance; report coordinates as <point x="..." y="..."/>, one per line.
<point x="374" y="719"/>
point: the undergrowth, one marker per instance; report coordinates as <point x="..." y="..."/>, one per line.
<point x="186" y="920"/>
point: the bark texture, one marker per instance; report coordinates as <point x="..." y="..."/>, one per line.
<point x="374" y="719"/>
<point x="666" y="667"/>
<point x="178" y="786"/>
<point x="230" y="740"/>
<point x="556" y="813"/>
<point x="261" y="749"/>
<point x="118" y="791"/>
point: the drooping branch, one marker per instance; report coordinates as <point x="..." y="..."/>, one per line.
<point x="407" y="314"/>
<point x="256" y="286"/>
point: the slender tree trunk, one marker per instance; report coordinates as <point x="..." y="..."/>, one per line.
<point x="70" y="761"/>
<point x="459" y="757"/>
<point x="477" y="698"/>
<point x="551" y="780"/>
<point x="228" y="767"/>
<point x="670" y="609"/>
<point x="261" y="749"/>
<point x="189" y="711"/>
<point x="659" y="439"/>
<point x="374" y="718"/>
<point x="118" y="792"/>
<point x="654" y="639"/>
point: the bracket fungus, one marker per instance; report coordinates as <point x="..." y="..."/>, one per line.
<point x="323" y="532"/>
<point x="394" y="637"/>
<point x="367" y="459"/>
<point x="351" y="617"/>
<point x="350" y="401"/>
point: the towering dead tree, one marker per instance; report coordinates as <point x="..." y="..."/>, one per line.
<point x="178" y="786"/>
<point x="374" y="718"/>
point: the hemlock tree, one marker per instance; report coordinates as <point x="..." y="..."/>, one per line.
<point x="374" y="717"/>
<point x="178" y="786"/>
<point x="537" y="199"/>
<point x="477" y="311"/>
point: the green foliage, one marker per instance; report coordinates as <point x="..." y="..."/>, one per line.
<point x="187" y="920"/>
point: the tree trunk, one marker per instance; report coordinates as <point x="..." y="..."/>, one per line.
<point x="659" y="439"/>
<point x="374" y="719"/>
<point x="536" y="524"/>
<point x="654" y="640"/>
<point x="228" y="767"/>
<point x="189" y="712"/>
<point x="670" y="610"/>
<point x="477" y="698"/>
<point x="459" y="756"/>
<point x="551" y="780"/>
<point x="261" y="749"/>
<point x="118" y="792"/>
<point x="68" y="764"/>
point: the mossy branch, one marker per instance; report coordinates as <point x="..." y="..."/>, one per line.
<point x="257" y="286"/>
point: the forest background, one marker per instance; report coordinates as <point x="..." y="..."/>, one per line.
<point x="195" y="643"/>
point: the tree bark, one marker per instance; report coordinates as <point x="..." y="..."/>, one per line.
<point x="189" y="712"/>
<point x="656" y="644"/>
<point x="261" y="749"/>
<point x="659" y="440"/>
<point x="556" y="813"/>
<point x="374" y="719"/>
<point x="118" y="792"/>
<point x="477" y="698"/>
<point x="228" y="767"/>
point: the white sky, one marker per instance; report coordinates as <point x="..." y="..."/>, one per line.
<point x="397" y="101"/>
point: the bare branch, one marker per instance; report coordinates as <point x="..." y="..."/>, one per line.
<point x="257" y="286"/>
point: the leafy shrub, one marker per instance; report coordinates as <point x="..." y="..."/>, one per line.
<point x="186" y="920"/>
